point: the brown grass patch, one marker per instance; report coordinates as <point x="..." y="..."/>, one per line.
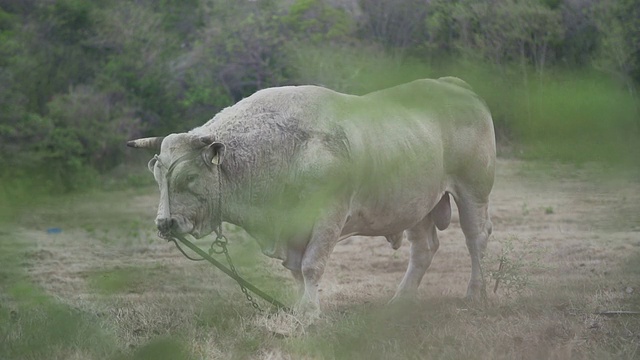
<point x="107" y="277"/>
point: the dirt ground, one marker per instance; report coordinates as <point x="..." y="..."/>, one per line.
<point x="567" y="225"/>
<point x="576" y="224"/>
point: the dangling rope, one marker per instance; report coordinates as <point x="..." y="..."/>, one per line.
<point x="245" y="286"/>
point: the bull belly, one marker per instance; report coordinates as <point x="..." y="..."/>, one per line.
<point x="381" y="219"/>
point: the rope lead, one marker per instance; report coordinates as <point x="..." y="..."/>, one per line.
<point x="245" y="286"/>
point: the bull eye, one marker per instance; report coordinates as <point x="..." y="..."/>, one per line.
<point x="190" y="178"/>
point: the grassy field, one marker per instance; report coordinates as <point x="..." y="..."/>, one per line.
<point x="104" y="287"/>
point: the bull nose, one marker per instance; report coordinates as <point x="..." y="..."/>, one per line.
<point x="165" y="224"/>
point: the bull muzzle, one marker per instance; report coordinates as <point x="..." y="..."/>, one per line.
<point x="165" y="226"/>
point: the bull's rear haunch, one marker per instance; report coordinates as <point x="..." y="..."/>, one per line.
<point x="302" y="167"/>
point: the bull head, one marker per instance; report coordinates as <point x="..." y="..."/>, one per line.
<point x="188" y="202"/>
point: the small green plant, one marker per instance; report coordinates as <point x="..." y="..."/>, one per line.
<point x="548" y="210"/>
<point x="525" y="209"/>
<point x="510" y="270"/>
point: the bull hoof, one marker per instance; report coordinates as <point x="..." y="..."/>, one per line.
<point x="282" y="324"/>
<point x="402" y="299"/>
<point x="307" y="313"/>
<point x="477" y="296"/>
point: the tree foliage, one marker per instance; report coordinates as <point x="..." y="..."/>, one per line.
<point x="501" y="32"/>
<point x="619" y="26"/>
<point x="79" y="77"/>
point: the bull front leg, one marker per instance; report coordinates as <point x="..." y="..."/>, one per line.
<point x="324" y="237"/>
<point x="293" y="262"/>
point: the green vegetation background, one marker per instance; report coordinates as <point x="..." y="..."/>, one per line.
<point x="78" y="77"/>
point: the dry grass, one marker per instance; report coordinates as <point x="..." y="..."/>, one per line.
<point x="107" y="288"/>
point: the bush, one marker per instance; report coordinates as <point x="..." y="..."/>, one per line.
<point x="510" y="271"/>
<point x="82" y="134"/>
<point x="578" y="118"/>
<point x="90" y="130"/>
<point x="78" y="77"/>
<point x="318" y="22"/>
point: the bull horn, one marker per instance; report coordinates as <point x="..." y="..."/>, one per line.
<point x="146" y="143"/>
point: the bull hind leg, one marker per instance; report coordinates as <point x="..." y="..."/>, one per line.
<point x="476" y="226"/>
<point x="424" y="244"/>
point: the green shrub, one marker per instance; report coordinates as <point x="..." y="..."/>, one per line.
<point x="510" y="271"/>
<point x="578" y="118"/>
<point x="318" y="22"/>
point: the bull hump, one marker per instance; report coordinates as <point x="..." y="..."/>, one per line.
<point x="456" y="81"/>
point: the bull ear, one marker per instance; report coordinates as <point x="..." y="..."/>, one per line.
<point x="147" y="143"/>
<point x="152" y="163"/>
<point x="214" y="153"/>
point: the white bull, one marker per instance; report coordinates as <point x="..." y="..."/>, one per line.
<point x="303" y="167"/>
